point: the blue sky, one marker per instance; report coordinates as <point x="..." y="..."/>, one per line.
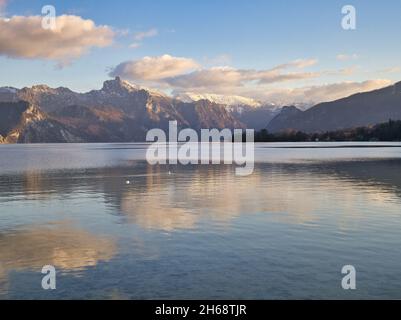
<point x="244" y="35"/>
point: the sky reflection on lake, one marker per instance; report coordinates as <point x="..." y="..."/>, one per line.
<point x="199" y="231"/>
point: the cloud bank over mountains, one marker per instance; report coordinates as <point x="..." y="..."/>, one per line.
<point x="328" y="92"/>
<point x="181" y="75"/>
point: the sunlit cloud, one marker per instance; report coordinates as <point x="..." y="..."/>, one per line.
<point x="222" y="80"/>
<point x="322" y="93"/>
<point x="176" y="72"/>
<point x="309" y="95"/>
<point x="223" y="76"/>
<point x="24" y="37"/>
<point x="183" y="75"/>
<point x="154" y="68"/>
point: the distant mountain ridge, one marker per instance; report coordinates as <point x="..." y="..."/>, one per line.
<point x="358" y="110"/>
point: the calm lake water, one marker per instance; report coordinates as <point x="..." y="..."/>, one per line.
<point x="180" y="232"/>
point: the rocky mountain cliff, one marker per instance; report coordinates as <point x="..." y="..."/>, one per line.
<point x="22" y="122"/>
<point x="119" y="112"/>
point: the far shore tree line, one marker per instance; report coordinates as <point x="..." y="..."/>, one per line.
<point x="389" y="131"/>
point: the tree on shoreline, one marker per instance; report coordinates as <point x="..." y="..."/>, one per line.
<point x="389" y="131"/>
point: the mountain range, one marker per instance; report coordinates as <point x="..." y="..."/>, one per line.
<point x="123" y="112"/>
<point x="119" y="112"/>
<point x="358" y="110"/>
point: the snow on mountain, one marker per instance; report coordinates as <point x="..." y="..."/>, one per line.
<point x="220" y="99"/>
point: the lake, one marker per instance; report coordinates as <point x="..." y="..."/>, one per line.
<point x="116" y="227"/>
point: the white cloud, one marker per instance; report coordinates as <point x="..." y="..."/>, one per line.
<point x="139" y="36"/>
<point x="345" y="57"/>
<point x="24" y="37"/>
<point x="153" y="68"/>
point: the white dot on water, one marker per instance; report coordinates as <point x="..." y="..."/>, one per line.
<point x="128" y="182"/>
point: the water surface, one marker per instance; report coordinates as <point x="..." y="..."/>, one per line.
<point x="179" y="232"/>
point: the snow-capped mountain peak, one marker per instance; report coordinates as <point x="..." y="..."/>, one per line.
<point x="229" y="100"/>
